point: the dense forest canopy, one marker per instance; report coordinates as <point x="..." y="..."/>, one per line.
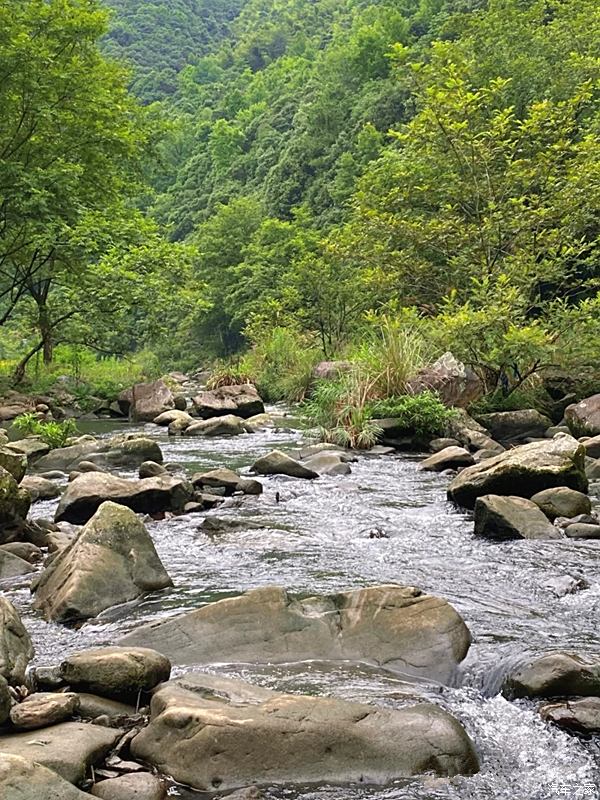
<point x="311" y="170"/>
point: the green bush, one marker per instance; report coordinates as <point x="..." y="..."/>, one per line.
<point x="422" y="415"/>
<point x="54" y="434"/>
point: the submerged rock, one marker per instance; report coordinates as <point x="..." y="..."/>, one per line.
<point x="22" y="778"/>
<point x="216" y="733"/>
<point x="523" y="471"/>
<point x="242" y="401"/>
<point x="16" y="649"/>
<point x="112" y="560"/>
<point x="396" y="627"/>
<point x="278" y="463"/>
<point x="115" y="672"/>
<point x="87" y="492"/>
<point x="511" y="518"/>
<point x="556" y="675"/>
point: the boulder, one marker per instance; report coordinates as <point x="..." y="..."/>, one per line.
<point x="22" y="778"/>
<point x="134" y="786"/>
<point x="396" y="627"/>
<point x="67" y="459"/>
<point x="511" y="518"/>
<point x="592" y="469"/>
<point x="562" y="502"/>
<point x="15" y="463"/>
<point x="456" y="384"/>
<point x="436" y="445"/>
<point x="180" y="402"/>
<point x="167" y="417"/>
<point x="115" y="672"/>
<point x="581" y="716"/>
<point x="228" y="425"/>
<point x="12" y="566"/>
<point x="328" y="464"/>
<point x="583" y="530"/>
<point x="448" y="458"/>
<point x="40" y="488"/>
<point x="68" y="749"/>
<point x="221" y="478"/>
<point x="16" y="649"/>
<point x="250" y="486"/>
<point x="592" y="447"/>
<point x="278" y="463"/>
<point x="87" y="492"/>
<point x="6" y="700"/>
<point x="331" y="370"/>
<point x="25" y="550"/>
<point x="523" y="471"/>
<point x="14" y="410"/>
<point x="43" y="709"/>
<point x="516" y="426"/>
<point x="584" y="418"/>
<point x="112" y="560"/>
<point x="92" y="706"/>
<point x="14" y="503"/>
<point x="31" y="448"/>
<point x="149" y="400"/>
<point x="556" y="675"/>
<point x="242" y="401"/>
<point x="150" y="469"/>
<point x="213" y="733"/>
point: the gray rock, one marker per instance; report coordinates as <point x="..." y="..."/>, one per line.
<point x="40" y="488"/>
<point x="228" y="425"/>
<point x="584" y="418"/>
<point x="135" y="786"/>
<point x="68" y="458"/>
<point x="216" y="733"/>
<point x="331" y="370"/>
<point x="180" y="401"/>
<point x="511" y="518"/>
<point x="278" y="463"/>
<point x="68" y="749"/>
<point x="12" y="566"/>
<point x="328" y="463"/>
<point x="396" y="627"/>
<point x="592" y="447"/>
<point x="43" y="709"/>
<point x="32" y="448"/>
<point x="25" y="779"/>
<point x="556" y="675"/>
<point x="14" y="503"/>
<point x="523" y="471"/>
<point x="515" y="426"/>
<point x="5" y="700"/>
<point x="150" y="469"/>
<point x="562" y="502"/>
<point x="124" y="564"/>
<point x="582" y="530"/>
<point x="592" y="469"/>
<point x="242" y="401"/>
<point x="149" y="400"/>
<point x="449" y="458"/>
<point x="16" y="649"/>
<point x="251" y="793"/>
<point x="13" y="462"/>
<point x="582" y="716"/>
<point x="250" y="486"/>
<point x="25" y="550"/>
<point x="221" y="478"/>
<point x="437" y="445"/>
<point x="86" y="494"/>
<point x="116" y="672"/>
<point x="167" y="417"/>
<point x="92" y="706"/>
<point x="455" y="383"/>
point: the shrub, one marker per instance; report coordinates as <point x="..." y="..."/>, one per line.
<point x="54" y="434"/>
<point x="422" y="415"/>
<point x="227" y="375"/>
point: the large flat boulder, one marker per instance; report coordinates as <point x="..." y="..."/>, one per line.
<point x="523" y="471"/>
<point x="148" y="400"/>
<point x="515" y="426"/>
<point x="111" y="560"/>
<point x="216" y="733"/>
<point x="68" y="749"/>
<point x="22" y="778"/>
<point x="584" y="418"/>
<point x="227" y="425"/>
<point x="118" y="451"/>
<point x="16" y="649"/>
<point x="241" y="401"/>
<point x="455" y="383"/>
<point x="396" y="627"/>
<point x="557" y="674"/>
<point x="86" y="493"/>
<point x="500" y="517"/>
<point x="66" y="459"/>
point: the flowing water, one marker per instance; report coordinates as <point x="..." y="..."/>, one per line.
<point x="316" y="539"/>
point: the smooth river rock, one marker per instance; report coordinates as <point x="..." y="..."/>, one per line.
<point x="16" y="649"/>
<point x="115" y="672"/>
<point x="216" y="733"/>
<point x="511" y="518"/>
<point x="523" y="471"/>
<point x="278" y="463"/>
<point x="24" y="779"/>
<point x="40" y="488"/>
<point x="11" y="566"/>
<point x="111" y="560"/>
<point x="558" y="674"/>
<point x="396" y="627"/>
<point x="135" y="786"/>
<point x="87" y="492"/>
<point x="42" y="709"/>
<point x="229" y="425"/>
<point x="448" y="458"/>
<point x="68" y="748"/>
<point x="562" y="502"/>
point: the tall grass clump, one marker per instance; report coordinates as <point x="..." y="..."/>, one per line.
<point x="54" y="434"/>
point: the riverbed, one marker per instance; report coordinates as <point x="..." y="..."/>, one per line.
<point x="314" y="537"/>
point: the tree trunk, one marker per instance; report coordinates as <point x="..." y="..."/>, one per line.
<point x="45" y="326"/>
<point x="19" y="372"/>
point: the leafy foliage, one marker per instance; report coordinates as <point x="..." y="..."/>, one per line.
<point x="54" y="434"/>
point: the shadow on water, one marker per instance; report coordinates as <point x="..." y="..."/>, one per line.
<point x="316" y="540"/>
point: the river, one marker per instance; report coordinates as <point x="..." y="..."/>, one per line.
<point x="316" y="539"/>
